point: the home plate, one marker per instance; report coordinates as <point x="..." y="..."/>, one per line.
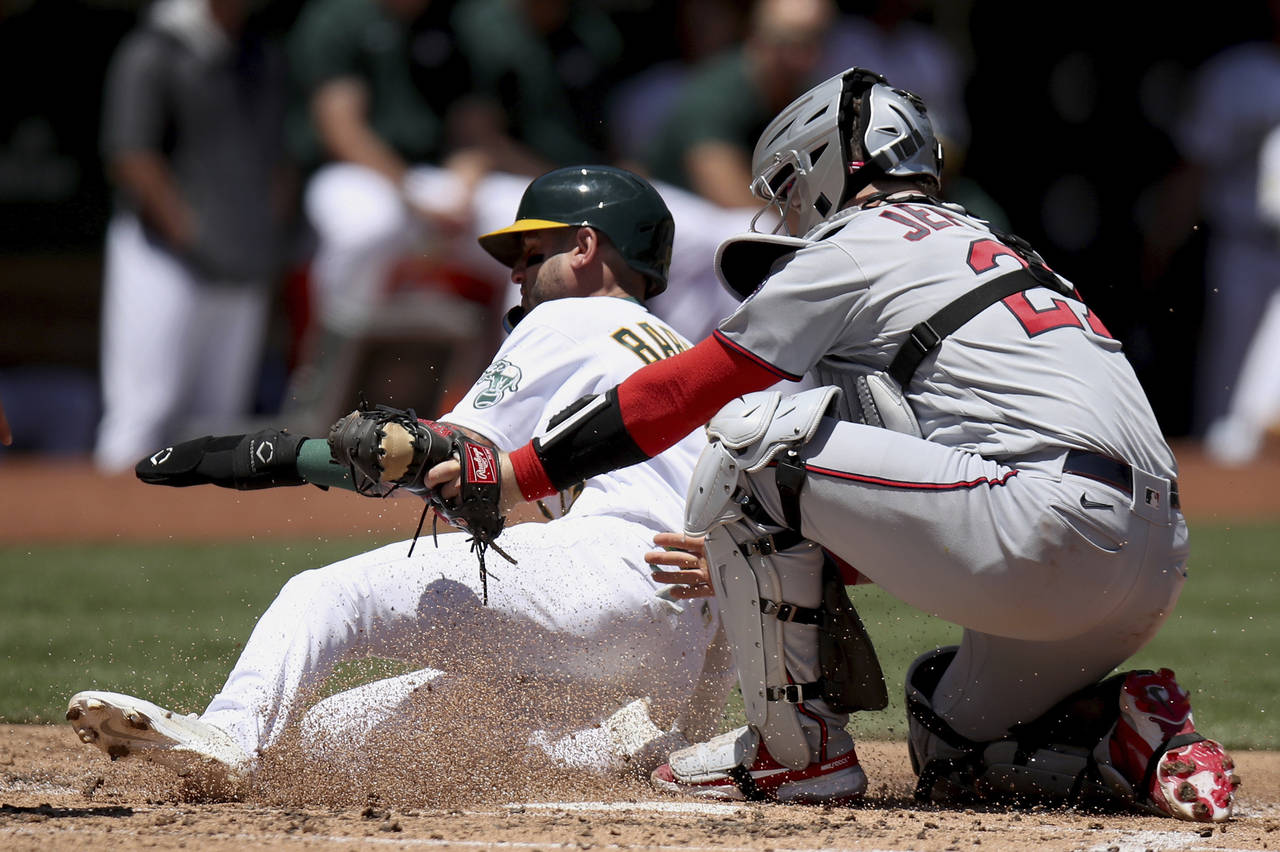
<point x="700" y="808"/>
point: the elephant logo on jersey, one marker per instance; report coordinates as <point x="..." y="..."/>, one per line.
<point x="501" y="378"/>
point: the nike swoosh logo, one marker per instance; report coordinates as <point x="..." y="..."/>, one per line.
<point x="1086" y="503"/>
<point x="768" y="773"/>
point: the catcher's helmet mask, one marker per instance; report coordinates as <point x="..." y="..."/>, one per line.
<point x="875" y="129"/>
<point x="619" y="204"/>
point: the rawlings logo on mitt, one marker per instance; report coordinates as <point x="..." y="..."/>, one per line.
<point x="482" y="464"/>
<point x="475" y="509"/>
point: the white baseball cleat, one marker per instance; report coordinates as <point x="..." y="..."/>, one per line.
<point x="205" y="757"/>
<point x="1196" y="782"/>
<point x="627" y="741"/>
<point x="835" y="781"/>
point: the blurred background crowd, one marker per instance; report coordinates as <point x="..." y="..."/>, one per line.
<point x="218" y="212"/>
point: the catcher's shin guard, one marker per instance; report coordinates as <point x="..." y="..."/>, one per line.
<point x="769" y="599"/>
<point x="1046" y="760"/>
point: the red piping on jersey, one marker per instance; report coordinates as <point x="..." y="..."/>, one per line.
<point x="777" y="371"/>
<point x="666" y="400"/>
<point x="911" y="486"/>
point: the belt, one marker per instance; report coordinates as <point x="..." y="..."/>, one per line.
<point x="1109" y="470"/>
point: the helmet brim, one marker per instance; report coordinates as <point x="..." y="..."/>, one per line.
<point x="504" y="244"/>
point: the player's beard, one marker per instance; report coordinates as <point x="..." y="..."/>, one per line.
<point x="550" y="282"/>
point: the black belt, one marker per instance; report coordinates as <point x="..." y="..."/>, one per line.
<point x="1109" y="470"/>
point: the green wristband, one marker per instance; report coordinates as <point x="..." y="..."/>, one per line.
<point x="316" y="465"/>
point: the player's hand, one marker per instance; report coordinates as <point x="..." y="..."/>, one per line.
<point x="685" y="555"/>
<point x="445" y="479"/>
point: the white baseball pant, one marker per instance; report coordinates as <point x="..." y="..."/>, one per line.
<point x="579" y="607"/>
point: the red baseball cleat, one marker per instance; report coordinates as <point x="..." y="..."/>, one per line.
<point x="1155" y="744"/>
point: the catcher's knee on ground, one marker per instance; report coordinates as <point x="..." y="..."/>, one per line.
<point x="771" y="587"/>
<point x="1128" y="739"/>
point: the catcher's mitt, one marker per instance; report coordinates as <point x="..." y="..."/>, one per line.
<point x="387" y="448"/>
<point x="475" y="508"/>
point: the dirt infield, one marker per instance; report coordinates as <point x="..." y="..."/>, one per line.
<point x="57" y="794"/>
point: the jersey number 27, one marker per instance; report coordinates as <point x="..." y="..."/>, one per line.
<point x="1035" y="321"/>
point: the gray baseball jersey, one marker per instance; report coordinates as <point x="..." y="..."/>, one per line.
<point x="1035" y="374"/>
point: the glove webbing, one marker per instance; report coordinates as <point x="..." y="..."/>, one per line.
<point x="478" y="547"/>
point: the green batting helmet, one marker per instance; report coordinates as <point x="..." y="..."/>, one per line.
<point x="621" y="205"/>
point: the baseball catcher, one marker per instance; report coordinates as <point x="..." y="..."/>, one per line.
<point x="588" y="247"/>
<point x="976" y="443"/>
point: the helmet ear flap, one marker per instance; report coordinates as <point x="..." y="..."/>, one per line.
<point x="853" y="122"/>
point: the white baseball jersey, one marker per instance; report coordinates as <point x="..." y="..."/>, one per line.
<point x="580" y="604"/>
<point x="566" y="349"/>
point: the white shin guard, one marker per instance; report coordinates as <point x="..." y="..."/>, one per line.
<point x="759" y="589"/>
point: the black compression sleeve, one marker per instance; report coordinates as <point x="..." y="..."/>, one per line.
<point x="586" y="439"/>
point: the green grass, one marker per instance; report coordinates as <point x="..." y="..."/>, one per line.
<point x="1223" y="640"/>
<point x="161" y="621"/>
<point x="167" y="622"/>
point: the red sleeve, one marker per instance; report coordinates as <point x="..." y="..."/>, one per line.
<point x="666" y="400"/>
<point x="669" y="399"/>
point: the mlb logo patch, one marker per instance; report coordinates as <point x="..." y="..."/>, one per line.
<point x="482" y="466"/>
